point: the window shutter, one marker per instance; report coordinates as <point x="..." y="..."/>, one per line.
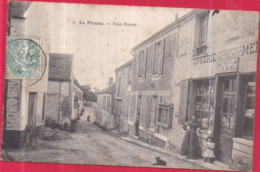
<point x="148" y="111"/>
<point x="183" y="106"/>
<point x="161" y="56"/>
<point x="150" y="56"/>
<point x="143" y="111"/>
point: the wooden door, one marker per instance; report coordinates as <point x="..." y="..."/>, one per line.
<point x="118" y="113"/>
<point x="153" y="112"/>
<point x="227" y="90"/>
<point x="31" y="120"/>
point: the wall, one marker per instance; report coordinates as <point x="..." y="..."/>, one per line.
<point x="123" y="73"/>
<point x="59" y="102"/>
<point x="35" y="26"/>
<point x="230" y="33"/>
<point x="104" y="114"/>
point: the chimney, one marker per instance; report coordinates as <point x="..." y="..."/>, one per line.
<point x="110" y="81"/>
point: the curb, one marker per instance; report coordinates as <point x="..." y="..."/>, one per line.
<point x="198" y="163"/>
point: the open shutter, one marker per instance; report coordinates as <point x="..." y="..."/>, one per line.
<point x="183" y="106"/>
<point x="148" y="111"/>
<point x="143" y="111"/>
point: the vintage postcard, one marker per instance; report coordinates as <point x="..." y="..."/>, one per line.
<point x="129" y="86"/>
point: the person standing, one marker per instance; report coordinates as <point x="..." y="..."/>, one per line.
<point x="190" y="144"/>
<point x="137" y="121"/>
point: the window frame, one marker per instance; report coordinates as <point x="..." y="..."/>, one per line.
<point x="161" y="58"/>
<point x="167" y="123"/>
<point x="141" y="67"/>
<point x="201" y="49"/>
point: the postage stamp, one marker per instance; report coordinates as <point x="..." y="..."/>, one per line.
<point x="23" y="59"/>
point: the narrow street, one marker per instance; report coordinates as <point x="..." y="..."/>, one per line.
<point x="92" y="145"/>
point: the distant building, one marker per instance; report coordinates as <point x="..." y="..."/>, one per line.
<point x="105" y="111"/>
<point x="24" y="99"/>
<point x="60" y="96"/>
<point x="122" y="95"/>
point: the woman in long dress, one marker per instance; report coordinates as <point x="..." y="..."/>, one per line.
<point x="190" y="144"/>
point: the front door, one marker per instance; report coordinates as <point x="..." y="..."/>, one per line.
<point x="31" y="120"/>
<point x="227" y="87"/>
<point x="118" y="113"/>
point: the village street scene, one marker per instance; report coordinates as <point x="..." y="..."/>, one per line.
<point x="96" y="89"/>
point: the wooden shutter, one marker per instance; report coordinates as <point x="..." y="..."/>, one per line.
<point x="148" y="111"/>
<point x="183" y="106"/>
<point x="161" y="56"/>
<point x="143" y="111"/>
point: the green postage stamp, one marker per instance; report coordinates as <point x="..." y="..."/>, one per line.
<point x="23" y="59"/>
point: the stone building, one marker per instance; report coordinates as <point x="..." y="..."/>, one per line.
<point x="123" y="90"/>
<point x="202" y="64"/>
<point x="60" y="96"/>
<point x="106" y="107"/>
<point x="24" y="98"/>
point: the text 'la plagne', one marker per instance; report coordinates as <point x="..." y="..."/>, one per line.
<point x="97" y="23"/>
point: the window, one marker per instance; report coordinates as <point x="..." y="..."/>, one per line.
<point x="141" y="64"/>
<point x="249" y="114"/>
<point x="201" y="34"/>
<point x="157" y="62"/>
<point x="204" y="102"/>
<point x="170" y="46"/>
<point x="165" y="115"/>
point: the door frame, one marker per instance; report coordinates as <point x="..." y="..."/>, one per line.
<point x="32" y="122"/>
<point x="218" y="109"/>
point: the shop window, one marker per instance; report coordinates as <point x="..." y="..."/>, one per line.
<point x="165" y="115"/>
<point x="158" y="58"/>
<point x="204" y="102"/>
<point x="141" y="64"/>
<point x="249" y="106"/>
<point x="201" y="34"/>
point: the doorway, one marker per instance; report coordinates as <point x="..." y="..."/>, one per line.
<point x="225" y="116"/>
<point x="32" y="109"/>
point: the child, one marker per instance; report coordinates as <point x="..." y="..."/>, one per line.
<point x="209" y="150"/>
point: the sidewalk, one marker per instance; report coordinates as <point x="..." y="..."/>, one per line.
<point x="217" y="165"/>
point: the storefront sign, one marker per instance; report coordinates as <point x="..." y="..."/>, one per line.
<point x="227" y="55"/>
<point x="227" y="65"/>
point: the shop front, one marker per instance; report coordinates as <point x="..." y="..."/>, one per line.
<point x="224" y="103"/>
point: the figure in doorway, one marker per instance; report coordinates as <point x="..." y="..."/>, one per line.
<point x="137" y="121"/>
<point x="190" y="144"/>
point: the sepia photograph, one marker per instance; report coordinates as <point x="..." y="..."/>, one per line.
<point x="129" y="86"/>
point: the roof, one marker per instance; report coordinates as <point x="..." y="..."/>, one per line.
<point x="108" y="90"/>
<point x="170" y="27"/>
<point x="60" y="67"/>
<point x="125" y="65"/>
<point x="19" y="8"/>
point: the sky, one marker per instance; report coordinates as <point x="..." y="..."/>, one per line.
<point x="99" y="49"/>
